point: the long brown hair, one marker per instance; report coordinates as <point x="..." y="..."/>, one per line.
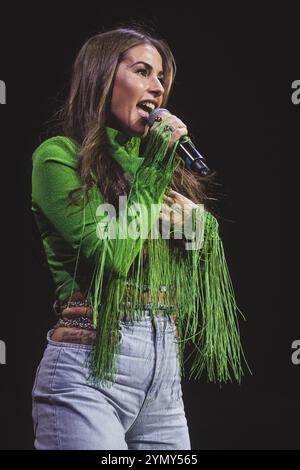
<point x="86" y="111"/>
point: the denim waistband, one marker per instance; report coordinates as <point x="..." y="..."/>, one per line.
<point x="145" y="315"/>
<point x="145" y="318"/>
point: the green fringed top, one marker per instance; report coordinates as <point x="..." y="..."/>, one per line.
<point x="81" y="259"/>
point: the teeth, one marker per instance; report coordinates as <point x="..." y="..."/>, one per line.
<point x="147" y="104"/>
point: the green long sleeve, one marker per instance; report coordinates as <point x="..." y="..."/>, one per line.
<point x="55" y="174"/>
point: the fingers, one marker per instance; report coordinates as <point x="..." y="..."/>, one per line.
<point x="177" y="134"/>
<point x="174" y="123"/>
<point x="174" y="193"/>
<point x="173" y="197"/>
<point x="169" y="199"/>
<point x="171" y="123"/>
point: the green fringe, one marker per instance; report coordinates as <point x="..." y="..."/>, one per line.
<point x="206" y="307"/>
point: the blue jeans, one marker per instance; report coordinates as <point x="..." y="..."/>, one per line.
<point x="143" y="410"/>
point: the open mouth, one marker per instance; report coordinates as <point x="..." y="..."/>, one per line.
<point x="145" y="108"/>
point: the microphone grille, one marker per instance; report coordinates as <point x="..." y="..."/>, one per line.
<point x="156" y="112"/>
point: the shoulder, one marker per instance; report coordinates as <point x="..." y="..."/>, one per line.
<point x="60" y="149"/>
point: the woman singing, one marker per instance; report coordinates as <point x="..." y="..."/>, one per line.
<point x="106" y="193"/>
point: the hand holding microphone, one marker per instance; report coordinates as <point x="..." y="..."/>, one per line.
<point x="162" y="117"/>
<point x="185" y="149"/>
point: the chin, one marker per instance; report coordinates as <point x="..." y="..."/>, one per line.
<point x="139" y="131"/>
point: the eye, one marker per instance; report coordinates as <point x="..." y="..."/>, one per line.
<point x="143" y="72"/>
<point x="146" y="73"/>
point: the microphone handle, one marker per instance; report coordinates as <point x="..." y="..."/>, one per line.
<point x="186" y="149"/>
<point x="193" y="159"/>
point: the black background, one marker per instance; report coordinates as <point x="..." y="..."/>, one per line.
<point x="236" y="63"/>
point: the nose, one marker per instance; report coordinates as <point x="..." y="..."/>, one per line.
<point x="156" y="87"/>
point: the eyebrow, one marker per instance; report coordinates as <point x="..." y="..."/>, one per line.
<point x="148" y="66"/>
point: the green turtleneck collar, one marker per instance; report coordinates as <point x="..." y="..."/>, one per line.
<point x="125" y="149"/>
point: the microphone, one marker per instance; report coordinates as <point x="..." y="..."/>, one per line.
<point x="187" y="150"/>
